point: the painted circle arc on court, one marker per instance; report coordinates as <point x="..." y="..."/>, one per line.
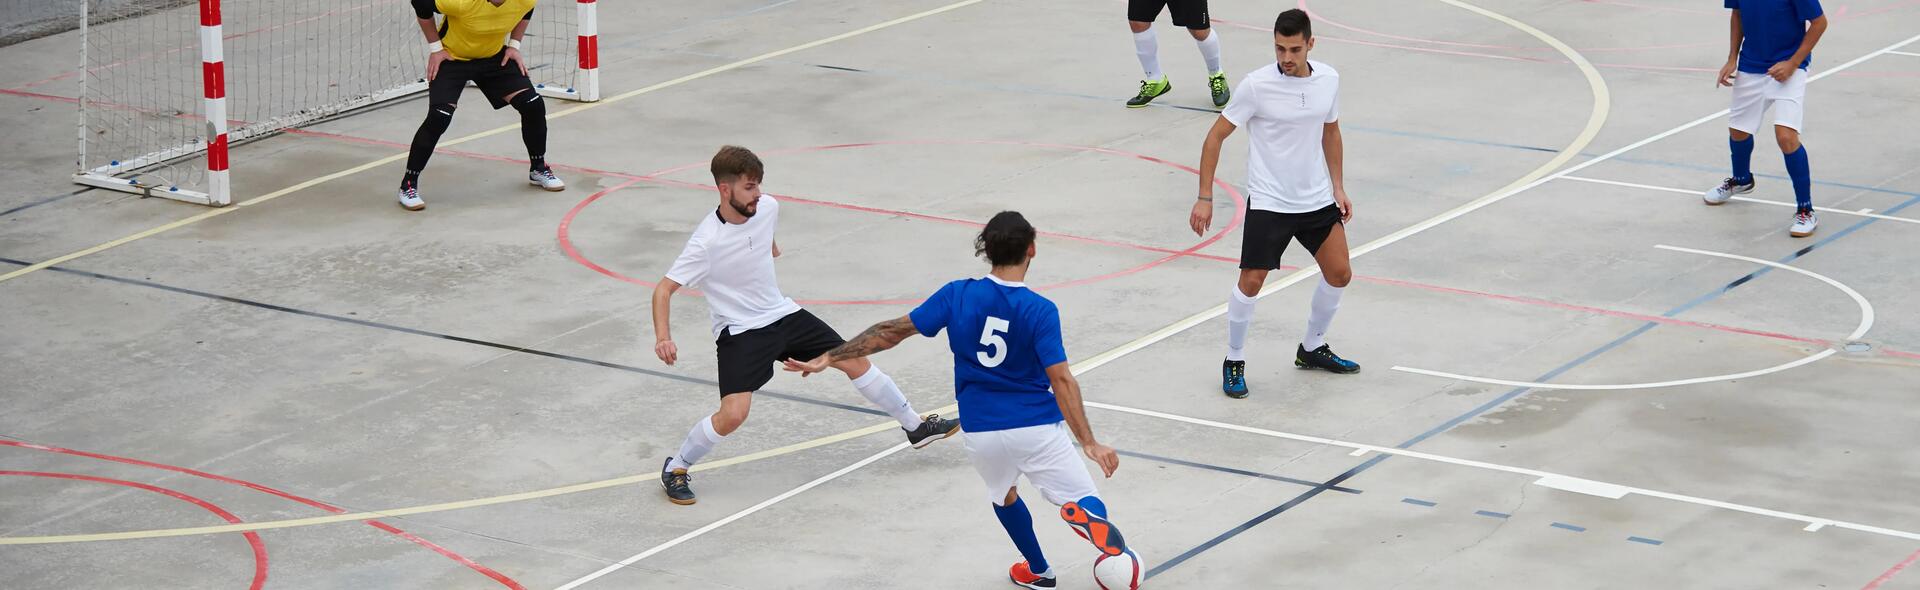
<point x="574" y="251"/>
<point x="258" y="546"/>
<point x="496" y="576"/>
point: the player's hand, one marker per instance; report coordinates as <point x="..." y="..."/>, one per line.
<point x="433" y="63"/>
<point x="1726" y="73"/>
<point x="810" y="367"/>
<point x="513" y="55"/>
<point x="1104" y="455"/>
<point x="1201" y="218"/>
<point x="1783" y="70"/>
<point x="1346" y="205"/>
<point x="667" y="351"/>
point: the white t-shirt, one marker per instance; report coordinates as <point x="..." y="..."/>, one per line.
<point x="1284" y="117"/>
<point x="733" y="264"/>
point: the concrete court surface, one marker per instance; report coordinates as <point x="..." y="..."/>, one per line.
<point x="326" y="352"/>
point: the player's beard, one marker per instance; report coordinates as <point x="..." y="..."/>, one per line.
<point x="747" y="210"/>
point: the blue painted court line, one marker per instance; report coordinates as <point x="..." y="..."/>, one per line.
<point x="1493" y="514"/>
<point x="1654" y="542"/>
<point x="1574" y="528"/>
<point x="1517" y="392"/>
<point x="1416" y="502"/>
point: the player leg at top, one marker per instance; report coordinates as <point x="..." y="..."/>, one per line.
<point x="479" y="42"/>
<point x="1016" y="392"/>
<point x="1191" y="14"/>
<point x="1292" y="114"/>
<point x="730" y="257"/>
<point x="1771" y="47"/>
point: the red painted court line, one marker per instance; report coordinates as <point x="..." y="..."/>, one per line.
<point x="489" y="572"/>
<point x="1892" y="571"/>
<point x="253" y="538"/>
<point x="573" y="252"/>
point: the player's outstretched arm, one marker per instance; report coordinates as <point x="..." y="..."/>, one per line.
<point x="1066" y="392"/>
<point x="878" y="337"/>
<point x="663" y="345"/>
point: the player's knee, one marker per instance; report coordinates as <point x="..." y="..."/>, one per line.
<point x="529" y="104"/>
<point x="854" y="368"/>
<point x="1200" y="34"/>
<point x="730" y="416"/>
<point x="1251" y="281"/>
<point x="1013" y="495"/>
<point x="1139" y="27"/>
<point x="1788" y="139"/>
<point x="1339" y="277"/>
<point x="1738" y="135"/>
<point x="439" y="117"/>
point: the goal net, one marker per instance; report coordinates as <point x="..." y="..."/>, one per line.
<point x="167" y="86"/>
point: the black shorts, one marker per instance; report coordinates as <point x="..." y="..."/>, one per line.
<point x="496" y="81"/>
<point x="1267" y="234"/>
<point x="747" y="358"/>
<point x="1191" y="14"/>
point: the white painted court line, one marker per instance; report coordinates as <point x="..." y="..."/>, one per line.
<point x="733" y="517"/>
<point x="1905" y="53"/>
<point x="1544" y="478"/>
<point x="1697" y="194"/>
<point x="1866" y="323"/>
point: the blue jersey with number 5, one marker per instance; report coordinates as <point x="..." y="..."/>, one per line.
<point x="1003" y="337"/>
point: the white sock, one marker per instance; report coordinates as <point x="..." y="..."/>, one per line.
<point x="1147" y="46"/>
<point x="1210" y="49"/>
<point x="1239" y="316"/>
<point x="881" y="390"/>
<point x="1326" y="300"/>
<point x="700" y="441"/>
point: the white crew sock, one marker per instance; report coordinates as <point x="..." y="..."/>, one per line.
<point x="881" y="390"/>
<point x="700" y="441"/>
<point x="1146" y="45"/>
<point x="1326" y="301"/>
<point x="1239" y="316"/>
<point x="1210" y="49"/>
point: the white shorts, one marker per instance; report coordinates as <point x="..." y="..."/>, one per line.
<point x="1754" y="93"/>
<point x="1044" y="453"/>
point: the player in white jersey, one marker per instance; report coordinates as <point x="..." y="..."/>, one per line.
<point x="730" y="257"/>
<point x="1292" y="113"/>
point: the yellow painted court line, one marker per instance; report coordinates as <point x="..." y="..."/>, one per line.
<point x="1594" y="121"/>
<point x="212" y="213"/>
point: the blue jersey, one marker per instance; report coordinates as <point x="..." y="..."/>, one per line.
<point x="1003" y="337"/>
<point x="1772" y="30"/>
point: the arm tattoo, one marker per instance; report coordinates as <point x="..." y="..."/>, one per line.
<point x="881" y="336"/>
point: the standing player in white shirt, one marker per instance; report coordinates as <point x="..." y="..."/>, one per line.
<point x="730" y="257"/>
<point x="1292" y="112"/>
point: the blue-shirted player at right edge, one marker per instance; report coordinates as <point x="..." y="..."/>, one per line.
<point x="1015" y="390"/>
<point x="1772" y="45"/>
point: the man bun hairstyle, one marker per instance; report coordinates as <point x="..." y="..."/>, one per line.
<point x="1005" y="239"/>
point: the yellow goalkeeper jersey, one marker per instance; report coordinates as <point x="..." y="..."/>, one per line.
<point x="476" y="29"/>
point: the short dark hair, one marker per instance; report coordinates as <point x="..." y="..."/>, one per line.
<point x="1293" y="22"/>
<point x="734" y="162"/>
<point x="1005" y="239"/>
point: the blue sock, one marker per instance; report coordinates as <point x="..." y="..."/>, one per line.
<point x="1802" y="179"/>
<point x="1094" y="505"/>
<point x="1742" y="159"/>
<point x="1019" y="524"/>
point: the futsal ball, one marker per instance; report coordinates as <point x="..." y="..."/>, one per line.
<point x="1118" y="572"/>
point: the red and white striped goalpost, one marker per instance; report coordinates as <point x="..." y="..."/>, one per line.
<point x="213" y="76"/>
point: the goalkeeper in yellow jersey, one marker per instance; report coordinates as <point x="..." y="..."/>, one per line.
<point x="479" y="42"/>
